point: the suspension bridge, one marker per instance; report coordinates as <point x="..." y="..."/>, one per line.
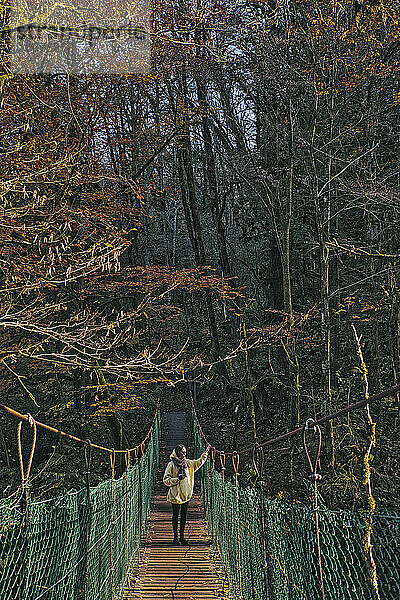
<point x="113" y="541"/>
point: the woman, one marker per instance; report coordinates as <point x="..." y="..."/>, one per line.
<point x="179" y="477"/>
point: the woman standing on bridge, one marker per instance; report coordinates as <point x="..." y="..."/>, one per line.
<point x="179" y="477"/>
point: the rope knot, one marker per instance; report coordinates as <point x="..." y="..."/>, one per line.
<point x="112" y="463"/>
<point x="258" y="460"/>
<point x="235" y="463"/>
<point x="25" y="474"/>
<point x="88" y="462"/>
<point x="311" y="425"/>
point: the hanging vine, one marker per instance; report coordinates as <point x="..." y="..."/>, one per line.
<point x="370" y="501"/>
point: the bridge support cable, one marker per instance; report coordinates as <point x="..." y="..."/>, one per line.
<point x="81" y="544"/>
<point x="315" y="477"/>
<point x="339" y="413"/>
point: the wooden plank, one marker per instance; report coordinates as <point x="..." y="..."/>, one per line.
<point x="176" y="572"/>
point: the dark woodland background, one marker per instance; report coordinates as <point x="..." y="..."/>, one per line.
<point x="231" y="216"/>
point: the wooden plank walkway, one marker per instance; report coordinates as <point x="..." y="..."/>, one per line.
<point x="168" y="572"/>
<point x="176" y="572"/>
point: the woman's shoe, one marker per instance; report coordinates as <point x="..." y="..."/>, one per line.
<point x="184" y="542"/>
<point x="176" y="542"/>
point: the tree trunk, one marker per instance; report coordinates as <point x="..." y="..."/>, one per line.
<point x="211" y="172"/>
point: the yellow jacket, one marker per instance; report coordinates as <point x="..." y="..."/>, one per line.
<point x="180" y="491"/>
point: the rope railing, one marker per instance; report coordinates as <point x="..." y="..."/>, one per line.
<point x="299" y="430"/>
<point x="276" y="550"/>
<point x="81" y="544"/>
<point x="29" y="419"/>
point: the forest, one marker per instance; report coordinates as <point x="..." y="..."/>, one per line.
<point x="225" y="223"/>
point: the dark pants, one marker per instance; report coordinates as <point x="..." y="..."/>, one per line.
<point x="176" y="509"/>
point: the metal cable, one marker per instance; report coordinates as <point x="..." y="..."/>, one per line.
<point x="344" y="411"/>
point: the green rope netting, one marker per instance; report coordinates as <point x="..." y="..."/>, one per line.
<point x="75" y="546"/>
<point x="268" y="547"/>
